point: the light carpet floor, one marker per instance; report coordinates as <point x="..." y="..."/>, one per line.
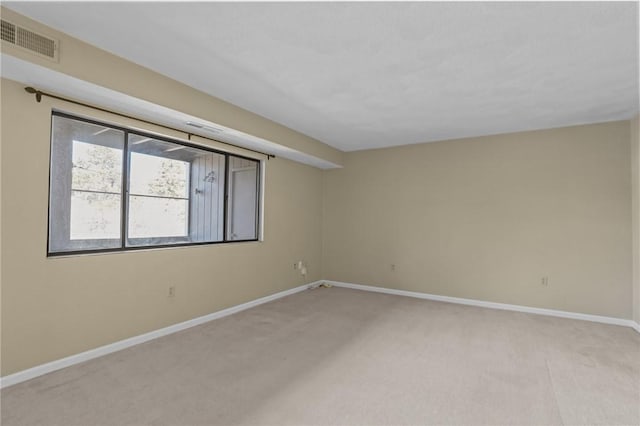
<point x="346" y="357"/>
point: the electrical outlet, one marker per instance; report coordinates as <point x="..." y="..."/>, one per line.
<point x="545" y="281"/>
<point x="172" y="291"/>
<point x="393" y="267"/>
<point x="295" y="266"/>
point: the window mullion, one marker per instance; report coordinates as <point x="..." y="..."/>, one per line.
<point x="258" y="185"/>
<point x="124" y="203"/>
<point x="189" y="200"/>
<point x="225" y="214"/>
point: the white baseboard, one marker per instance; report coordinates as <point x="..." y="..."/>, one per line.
<point x="49" y="367"/>
<point x="492" y="305"/>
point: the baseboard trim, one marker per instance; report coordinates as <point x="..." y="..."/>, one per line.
<point x="39" y="370"/>
<point x="59" y="364"/>
<point x="492" y="305"/>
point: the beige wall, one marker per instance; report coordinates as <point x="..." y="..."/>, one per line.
<point x="486" y="218"/>
<point x="635" y="179"/>
<point x="55" y="307"/>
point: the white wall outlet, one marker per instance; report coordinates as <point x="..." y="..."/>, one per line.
<point x="172" y="291"/>
<point x="393" y="267"/>
<point x="545" y="281"/>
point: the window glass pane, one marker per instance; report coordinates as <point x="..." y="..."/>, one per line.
<point x="95" y="216"/>
<point x="163" y="177"/>
<point x="243" y="199"/>
<point x="207" y="197"/>
<point x="158" y="217"/>
<point x="96" y="167"/>
<point x="176" y="193"/>
<point x="85" y="186"/>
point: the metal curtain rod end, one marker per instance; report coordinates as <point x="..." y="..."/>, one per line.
<point x="34" y="91"/>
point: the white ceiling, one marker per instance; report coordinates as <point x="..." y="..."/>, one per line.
<point x="368" y="75"/>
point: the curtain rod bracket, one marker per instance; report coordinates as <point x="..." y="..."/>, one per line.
<point x="35" y="92"/>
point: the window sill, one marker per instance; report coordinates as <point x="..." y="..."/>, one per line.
<point x="129" y="250"/>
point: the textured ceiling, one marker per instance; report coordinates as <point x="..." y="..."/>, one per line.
<point x="367" y="75"/>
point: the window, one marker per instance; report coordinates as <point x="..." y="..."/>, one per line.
<point x="243" y="199"/>
<point x="85" y="206"/>
<point x="114" y="189"/>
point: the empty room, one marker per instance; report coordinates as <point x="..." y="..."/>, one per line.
<point x="319" y="213"/>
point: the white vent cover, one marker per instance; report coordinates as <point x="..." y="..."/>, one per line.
<point x="29" y="40"/>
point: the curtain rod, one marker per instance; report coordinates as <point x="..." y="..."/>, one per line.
<point x="39" y="94"/>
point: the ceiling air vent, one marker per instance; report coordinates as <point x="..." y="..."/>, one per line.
<point x="29" y="40"/>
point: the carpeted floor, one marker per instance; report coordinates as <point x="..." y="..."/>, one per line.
<point x="346" y="357"/>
